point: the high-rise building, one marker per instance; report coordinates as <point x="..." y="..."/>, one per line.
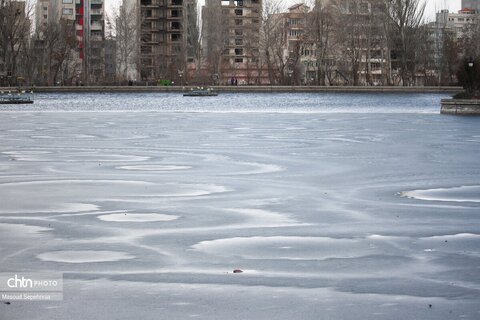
<point x="231" y="33"/>
<point x="471" y="4"/>
<point x="164" y="31"/>
<point x="90" y="28"/>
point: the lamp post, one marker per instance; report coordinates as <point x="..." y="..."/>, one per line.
<point x="215" y="79"/>
<point x="290" y="73"/>
<point x="470" y="74"/>
<point x="180" y="75"/>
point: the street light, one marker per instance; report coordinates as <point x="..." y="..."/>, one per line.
<point x="215" y="78"/>
<point x="290" y="73"/>
<point x="470" y="74"/>
<point x="180" y="75"/>
<point x="470" y="63"/>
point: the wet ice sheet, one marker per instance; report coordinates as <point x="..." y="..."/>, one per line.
<point x="149" y="213"/>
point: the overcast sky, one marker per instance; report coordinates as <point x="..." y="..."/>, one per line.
<point x="432" y="5"/>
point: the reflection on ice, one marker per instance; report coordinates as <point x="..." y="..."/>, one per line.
<point x="154" y="167"/>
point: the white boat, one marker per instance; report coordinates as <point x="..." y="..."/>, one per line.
<point x="200" y="92"/>
<point x="18" y="97"/>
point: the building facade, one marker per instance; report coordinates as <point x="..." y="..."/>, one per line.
<point x="231" y="45"/>
<point x="90" y="31"/>
<point x="165" y="28"/>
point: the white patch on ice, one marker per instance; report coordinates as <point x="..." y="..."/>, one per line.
<point x="154" y="167"/>
<point x="307" y="248"/>
<point x="454" y="194"/>
<point x="454" y="236"/>
<point x="256" y="218"/>
<point x="23" y="229"/>
<point x="84" y="256"/>
<point x="261" y="168"/>
<point x="137" y="217"/>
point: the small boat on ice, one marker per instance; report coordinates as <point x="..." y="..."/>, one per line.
<point x="19" y="97"/>
<point x="200" y="92"/>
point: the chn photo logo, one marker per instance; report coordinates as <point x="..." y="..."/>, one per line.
<point x="19" y="282"/>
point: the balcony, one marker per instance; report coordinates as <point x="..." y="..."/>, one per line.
<point x="96" y="12"/>
<point x="175" y="3"/>
<point x="174" y="14"/>
<point x="96" y="26"/>
<point x="175" y="26"/>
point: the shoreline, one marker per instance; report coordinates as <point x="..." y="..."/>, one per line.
<point x="242" y="89"/>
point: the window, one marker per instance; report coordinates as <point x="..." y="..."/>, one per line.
<point x="238" y="22"/>
<point x="238" y="51"/>
<point x="176" y="37"/>
<point x="239" y="60"/>
<point x="67" y="1"/>
<point x="238" y="42"/>
<point x="238" y="32"/>
<point x="295" y="33"/>
<point x="238" y="12"/>
<point x="67" y="12"/>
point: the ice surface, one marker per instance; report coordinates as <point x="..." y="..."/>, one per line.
<point x="83" y="256"/>
<point x="335" y="206"/>
<point x="137" y="217"/>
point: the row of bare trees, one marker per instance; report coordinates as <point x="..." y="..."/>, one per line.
<point x="352" y="40"/>
<point x="41" y="56"/>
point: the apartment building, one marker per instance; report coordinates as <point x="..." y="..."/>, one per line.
<point x="231" y="30"/>
<point x="471" y="4"/>
<point x="165" y="28"/>
<point x="90" y="30"/>
<point x="87" y="17"/>
<point x="456" y="22"/>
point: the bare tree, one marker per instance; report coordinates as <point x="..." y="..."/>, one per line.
<point x="124" y="22"/>
<point x="271" y="32"/>
<point x="405" y="17"/>
<point x="470" y="41"/>
<point x="321" y="29"/>
<point x="54" y="46"/>
<point x="215" y="34"/>
<point x="15" y="27"/>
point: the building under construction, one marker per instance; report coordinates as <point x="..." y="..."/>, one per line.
<point x="167" y="30"/>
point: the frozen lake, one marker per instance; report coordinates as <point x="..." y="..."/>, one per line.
<point x="334" y="206"/>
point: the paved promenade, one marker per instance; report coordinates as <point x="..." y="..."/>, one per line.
<point x="266" y="89"/>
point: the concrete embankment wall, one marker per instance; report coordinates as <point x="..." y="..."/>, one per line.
<point x="248" y="89"/>
<point x="460" y="107"/>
